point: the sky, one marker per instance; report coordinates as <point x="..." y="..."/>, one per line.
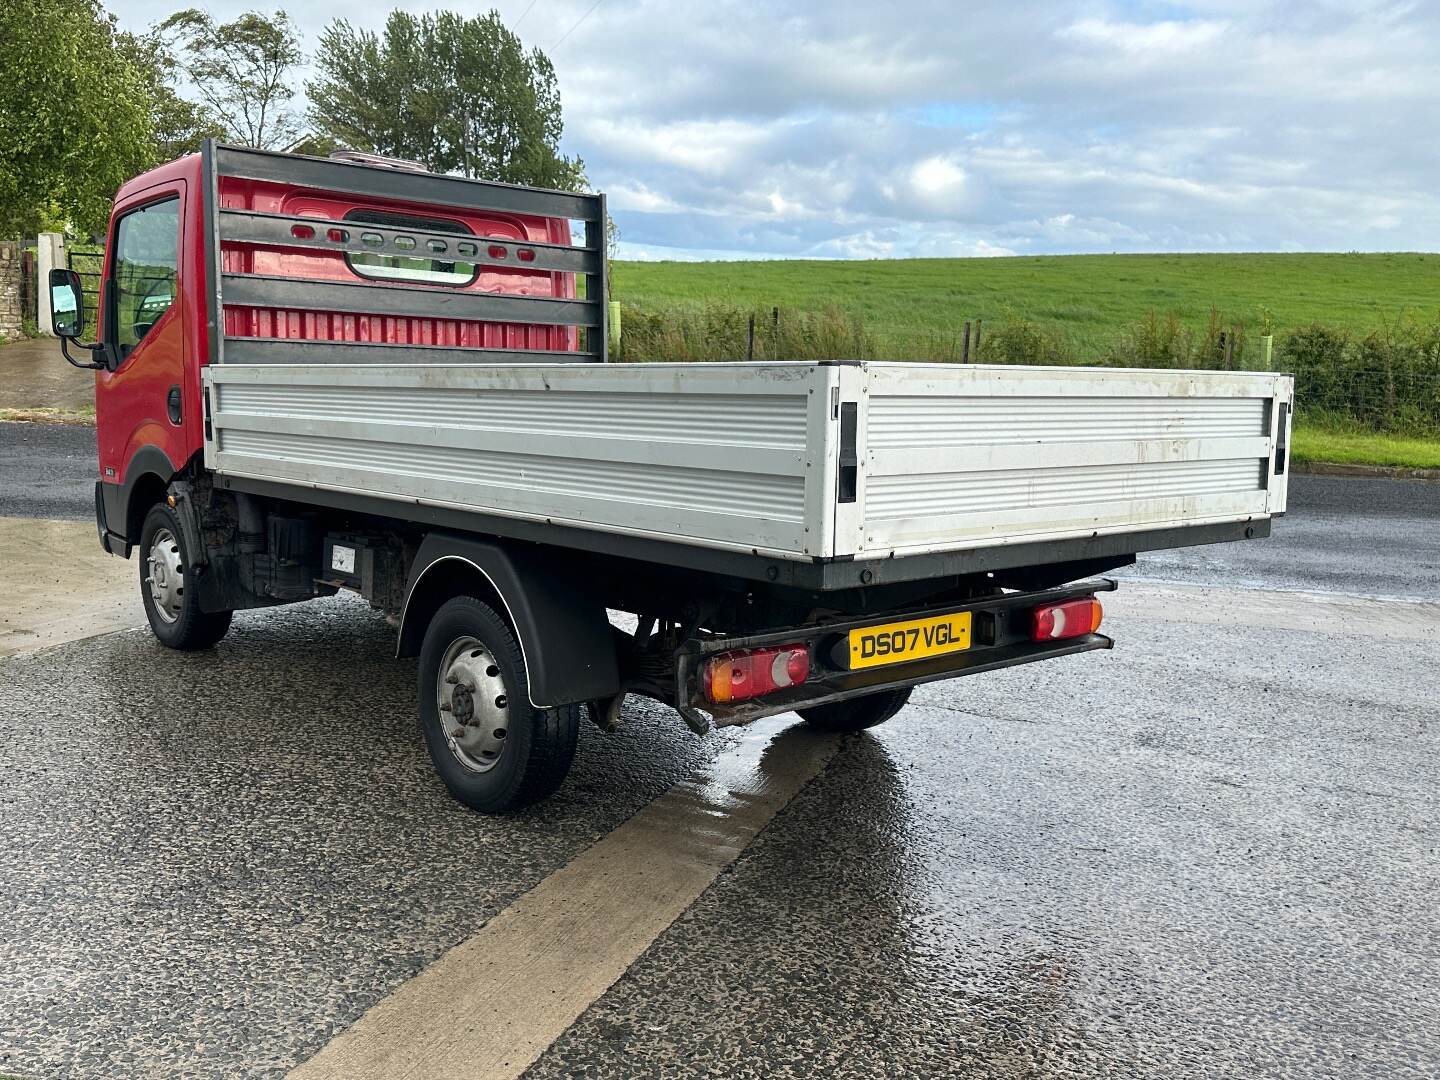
<point x="871" y="129"/>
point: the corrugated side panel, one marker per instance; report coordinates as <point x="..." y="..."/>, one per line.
<point x="964" y="457"/>
<point x="710" y="458"/>
<point x="913" y="421"/>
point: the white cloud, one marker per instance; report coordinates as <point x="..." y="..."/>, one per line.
<point x="857" y="129"/>
<point x="938" y="177"/>
<point x="1169" y="36"/>
<point x="701" y="146"/>
<point x="622" y="197"/>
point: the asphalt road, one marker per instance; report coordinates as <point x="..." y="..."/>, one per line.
<point x="1341" y="534"/>
<point x="1211" y="852"/>
<point x="47" y="471"/>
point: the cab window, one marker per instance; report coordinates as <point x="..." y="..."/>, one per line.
<point x="143" y="276"/>
<point x="423" y="266"/>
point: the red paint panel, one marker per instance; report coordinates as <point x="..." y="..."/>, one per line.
<point x="320" y="265"/>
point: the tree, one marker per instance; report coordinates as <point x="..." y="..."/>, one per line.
<point x="178" y="125"/>
<point x="75" y="115"/>
<point x="458" y="95"/>
<point x="241" y="70"/>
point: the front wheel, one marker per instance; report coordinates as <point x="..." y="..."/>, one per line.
<point x="492" y="747"/>
<point x="856" y="714"/>
<point x="172" y="604"/>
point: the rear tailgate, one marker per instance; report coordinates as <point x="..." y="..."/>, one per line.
<point x="953" y="457"/>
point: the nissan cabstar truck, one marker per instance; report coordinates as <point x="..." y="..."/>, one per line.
<point x="325" y="374"/>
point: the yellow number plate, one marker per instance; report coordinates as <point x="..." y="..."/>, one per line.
<point x="895" y="643"/>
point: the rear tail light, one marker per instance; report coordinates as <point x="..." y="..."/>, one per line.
<point x="1072" y="619"/>
<point x="750" y="673"/>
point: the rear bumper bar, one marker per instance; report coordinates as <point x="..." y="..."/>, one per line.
<point x="1005" y="643"/>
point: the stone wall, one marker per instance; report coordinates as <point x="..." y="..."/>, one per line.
<point x="9" y="290"/>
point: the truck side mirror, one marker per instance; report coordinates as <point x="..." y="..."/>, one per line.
<point x="67" y="304"/>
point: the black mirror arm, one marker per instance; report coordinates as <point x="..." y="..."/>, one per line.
<point x="90" y="365"/>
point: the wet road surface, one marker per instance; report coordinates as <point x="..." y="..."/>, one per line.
<point x="1211" y="852"/>
<point x="47" y="471"/>
<point x="1196" y="856"/>
<point x="1201" y="854"/>
<point x="34" y="374"/>
<point x="42" y="563"/>
<point x="215" y="860"/>
<point x="1342" y="534"/>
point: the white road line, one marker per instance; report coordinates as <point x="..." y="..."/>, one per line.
<point x="490" y="1006"/>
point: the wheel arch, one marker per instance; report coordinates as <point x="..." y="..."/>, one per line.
<point x="565" y="636"/>
<point x="147" y="477"/>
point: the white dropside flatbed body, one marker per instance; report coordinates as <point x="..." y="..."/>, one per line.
<point x="798" y="461"/>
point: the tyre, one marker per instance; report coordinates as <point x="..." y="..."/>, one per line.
<point x="857" y="714"/>
<point x="494" y="750"/>
<point x="173" y="610"/>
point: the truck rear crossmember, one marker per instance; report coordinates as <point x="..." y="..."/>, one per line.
<point x="1002" y="637"/>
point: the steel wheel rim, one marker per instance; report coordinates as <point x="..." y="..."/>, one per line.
<point x="473" y="701"/>
<point x="166" y="576"/>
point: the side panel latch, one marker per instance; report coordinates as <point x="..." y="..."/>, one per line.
<point x="849" y="459"/>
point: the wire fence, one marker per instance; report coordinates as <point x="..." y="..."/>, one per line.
<point x="1381" y="400"/>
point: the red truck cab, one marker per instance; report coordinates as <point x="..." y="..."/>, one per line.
<point x="153" y="337"/>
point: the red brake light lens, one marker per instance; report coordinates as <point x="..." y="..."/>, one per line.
<point x="751" y="673"/>
<point x="1072" y="619"/>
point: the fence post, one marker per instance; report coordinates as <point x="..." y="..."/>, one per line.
<point x="750" y="348"/>
<point x="49" y="255"/>
<point x="965" y="344"/>
<point x="614" y="325"/>
<point x="977" y="340"/>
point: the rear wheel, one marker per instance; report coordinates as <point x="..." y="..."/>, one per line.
<point x="172" y="607"/>
<point x="494" y="750"/>
<point x="856" y="714"/>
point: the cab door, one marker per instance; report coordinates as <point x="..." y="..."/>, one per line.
<point x="139" y="398"/>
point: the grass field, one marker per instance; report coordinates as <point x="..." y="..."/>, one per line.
<point x="1088" y="299"/>
<point x="1341" y="447"/>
